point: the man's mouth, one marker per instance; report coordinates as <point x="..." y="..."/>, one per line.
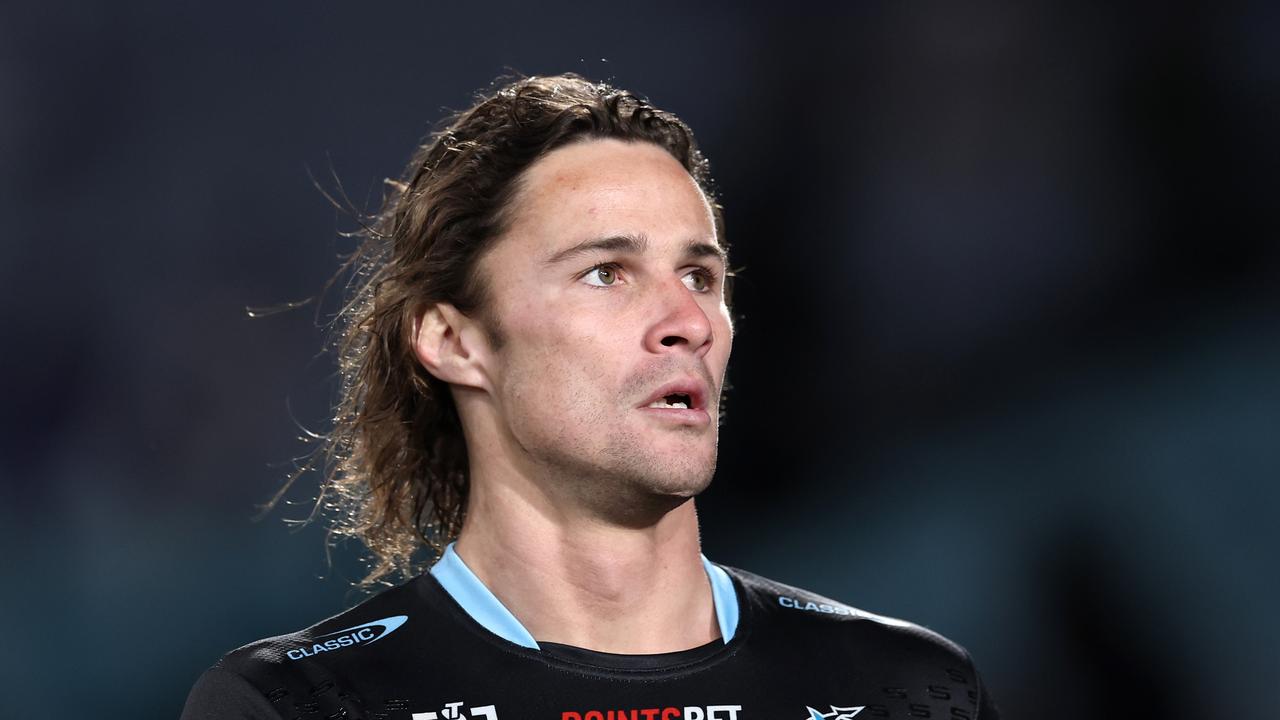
<point x="683" y="394"/>
<point x="674" y="400"/>
<point x="681" y="402"/>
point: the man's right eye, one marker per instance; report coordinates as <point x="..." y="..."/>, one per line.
<point x="602" y="275"/>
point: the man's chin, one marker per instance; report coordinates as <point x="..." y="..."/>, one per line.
<point x="646" y="506"/>
<point x="645" y="491"/>
<point x="683" y="481"/>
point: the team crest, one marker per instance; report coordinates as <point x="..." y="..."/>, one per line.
<point x="837" y="713"/>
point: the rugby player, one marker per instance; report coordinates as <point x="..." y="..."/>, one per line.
<point x="533" y="363"/>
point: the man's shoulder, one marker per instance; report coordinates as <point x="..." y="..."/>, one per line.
<point x="914" y="666"/>
<point x="371" y="621"/>
<point x="794" y="612"/>
<point x="298" y="669"/>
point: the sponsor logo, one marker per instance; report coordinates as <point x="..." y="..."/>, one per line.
<point x="837" y="713"/>
<point x="365" y="634"/>
<point x="455" y="710"/>
<point x="794" y="604"/>
<point x="710" y="712"/>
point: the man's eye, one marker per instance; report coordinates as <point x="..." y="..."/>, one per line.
<point x="602" y="275"/>
<point x="698" y="280"/>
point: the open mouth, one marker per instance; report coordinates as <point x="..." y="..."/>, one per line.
<point x="678" y="401"/>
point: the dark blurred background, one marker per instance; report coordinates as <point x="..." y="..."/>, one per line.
<point x="1008" y="365"/>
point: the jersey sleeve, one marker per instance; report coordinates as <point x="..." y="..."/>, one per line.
<point x="221" y="694"/>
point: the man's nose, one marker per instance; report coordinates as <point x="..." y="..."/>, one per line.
<point x="681" y="322"/>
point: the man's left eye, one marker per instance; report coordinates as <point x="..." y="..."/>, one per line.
<point x="602" y="275"/>
<point x="698" y="280"/>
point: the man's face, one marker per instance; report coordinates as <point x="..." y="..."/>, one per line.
<point x="607" y="292"/>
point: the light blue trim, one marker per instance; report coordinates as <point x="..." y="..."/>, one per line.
<point x="483" y="607"/>
<point x="725" y="598"/>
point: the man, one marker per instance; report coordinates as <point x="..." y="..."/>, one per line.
<point x="533" y="366"/>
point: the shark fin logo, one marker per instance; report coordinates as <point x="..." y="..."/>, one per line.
<point x="837" y="713"/>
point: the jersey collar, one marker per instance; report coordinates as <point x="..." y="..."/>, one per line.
<point x="485" y="608"/>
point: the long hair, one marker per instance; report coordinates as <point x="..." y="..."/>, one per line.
<point x="396" y="470"/>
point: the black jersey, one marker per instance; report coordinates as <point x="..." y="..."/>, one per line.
<point x="442" y="647"/>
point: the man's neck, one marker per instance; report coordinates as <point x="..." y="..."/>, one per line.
<point x="577" y="580"/>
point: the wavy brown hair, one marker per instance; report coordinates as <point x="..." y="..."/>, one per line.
<point x="396" y="471"/>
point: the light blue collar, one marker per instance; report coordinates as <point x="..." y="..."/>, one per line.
<point x="485" y="608"/>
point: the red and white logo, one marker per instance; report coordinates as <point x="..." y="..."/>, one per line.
<point x="691" y="712"/>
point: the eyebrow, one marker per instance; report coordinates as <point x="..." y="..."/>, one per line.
<point x="705" y="249"/>
<point x="630" y="244"/>
<point x="633" y="245"/>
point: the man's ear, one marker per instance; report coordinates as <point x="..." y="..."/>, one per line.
<point x="450" y="345"/>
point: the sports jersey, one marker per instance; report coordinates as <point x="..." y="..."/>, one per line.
<point x="443" y="647"/>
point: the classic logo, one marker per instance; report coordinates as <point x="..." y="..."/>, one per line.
<point x="453" y="711"/>
<point x="365" y="634"/>
<point x="837" y="713"/>
<point x="710" y="712"/>
<point x="794" y="604"/>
